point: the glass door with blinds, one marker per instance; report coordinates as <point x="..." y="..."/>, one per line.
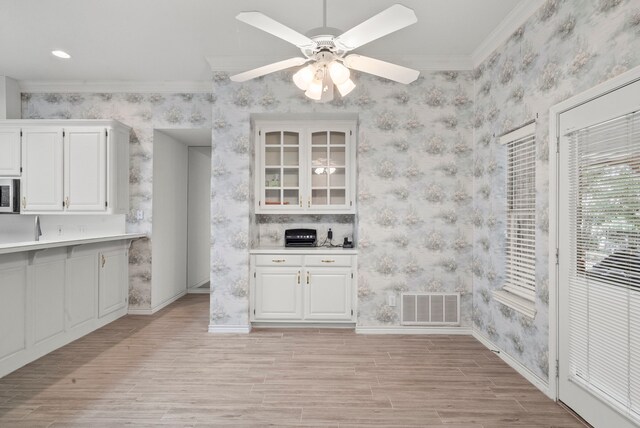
<point x="599" y="263"/>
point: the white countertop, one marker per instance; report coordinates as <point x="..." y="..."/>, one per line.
<point x="303" y="250"/>
<point x="16" y="247"/>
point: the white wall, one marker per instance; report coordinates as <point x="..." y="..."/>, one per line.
<point x="169" y="214"/>
<point x="10" y="102"/>
<point x="199" y="207"/>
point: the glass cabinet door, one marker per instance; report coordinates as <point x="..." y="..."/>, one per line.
<point x="329" y="169"/>
<point x="281" y="170"/>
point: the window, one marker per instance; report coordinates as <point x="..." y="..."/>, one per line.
<point x="519" y="289"/>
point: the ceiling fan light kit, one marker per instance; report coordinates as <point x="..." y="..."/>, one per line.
<point x="330" y="67"/>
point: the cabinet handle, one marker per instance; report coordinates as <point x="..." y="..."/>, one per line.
<point x="328" y="261"/>
<point x="300" y="201"/>
<point x="278" y="260"/>
<point x="24" y="202"/>
<point x="103" y="260"/>
<point x="308" y="278"/>
<point x="298" y="277"/>
<point x="66" y="201"/>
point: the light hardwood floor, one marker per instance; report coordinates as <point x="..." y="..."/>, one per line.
<point x="166" y="369"/>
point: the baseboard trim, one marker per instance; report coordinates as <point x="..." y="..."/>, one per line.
<point x="413" y="330"/>
<point x="162" y="305"/>
<point x="343" y="326"/>
<point x="533" y="378"/>
<point x="235" y="329"/>
<point x="139" y="311"/>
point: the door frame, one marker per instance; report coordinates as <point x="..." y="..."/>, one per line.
<point x="555" y="111"/>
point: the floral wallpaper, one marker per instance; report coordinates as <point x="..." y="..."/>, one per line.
<point x="143" y="112"/>
<point x="415" y="165"/>
<point x="565" y="48"/>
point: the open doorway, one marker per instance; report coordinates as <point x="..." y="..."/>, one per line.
<point x="181" y="212"/>
<point x="199" y="220"/>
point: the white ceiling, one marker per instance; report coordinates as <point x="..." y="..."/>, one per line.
<point x="169" y="40"/>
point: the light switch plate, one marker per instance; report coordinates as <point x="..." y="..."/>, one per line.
<point x="392" y="299"/>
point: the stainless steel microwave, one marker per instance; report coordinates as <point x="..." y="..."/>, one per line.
<point x="9" y="196"/>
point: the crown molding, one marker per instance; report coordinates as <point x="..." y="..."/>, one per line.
<point x="514" y="19"/>
<point x="236" y="64"/>
<point x="37" y="86"/>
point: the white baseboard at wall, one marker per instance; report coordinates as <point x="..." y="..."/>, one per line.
<point x="533" y="378"/>
<point x="235" y="329"/>
<point x="157" y="308"/>
<point x="412" y="330"/>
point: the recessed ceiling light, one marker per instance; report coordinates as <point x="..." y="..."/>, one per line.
<point x="61" y="54"/>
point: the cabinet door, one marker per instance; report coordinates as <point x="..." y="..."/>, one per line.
<point x="49" y="289"/>
<point x="279" y="173"/>
<point x="278" y="294"/>
<point x="112" y="281"/>
<point x="42" y="178"/>
<point x="10" y="152"/>
<point x="82" y="280"/>
<point x="13" y="309"/>
<point x="330" y="170"/>
<point x="328" y="294"/>
<point x="85" y="176"/>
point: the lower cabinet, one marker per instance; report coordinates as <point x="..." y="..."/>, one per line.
<point x="290" y="288"/>
<point x="53" y="296"/>
<point x="278" y="293"/>
<point x="13" y="305"/>
<point x="113" y="281"/>
<point x="328" y="294"/>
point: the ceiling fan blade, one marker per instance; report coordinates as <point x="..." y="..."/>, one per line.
<point x="271" y="26"/>
<point x="266" y="69"/>
<point x="386" y="22"/>
<point x="384" y="69"/>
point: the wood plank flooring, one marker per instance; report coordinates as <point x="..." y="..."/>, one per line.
<point x="167" y="370"/>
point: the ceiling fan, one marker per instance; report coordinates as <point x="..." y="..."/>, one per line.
<point x="327" y="54"/>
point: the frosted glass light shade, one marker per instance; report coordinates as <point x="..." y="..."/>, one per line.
<point x="303" y="77"/>
<point x="338" y="72"/>
<point x="346" y="87"/>
<point x="314" y="91"/>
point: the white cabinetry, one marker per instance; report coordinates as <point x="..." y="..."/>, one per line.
<point x="74" y="166"/>
<point x="10" y="152"/>
<point x="113" y="281"/>
<point x="303" y="288"/>
<point x="48" y="279"/>
<point x="41" y="187"/>
<point x="13" y="305"/>
<point x="305" y="167"/>
<point x="81" y="292"/>
<point x="85" y="169"/>
<point x="50" y="297"/>
<point x="278" y="293"/>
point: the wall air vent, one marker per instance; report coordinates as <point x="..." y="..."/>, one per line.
<point x="435" y="309"/>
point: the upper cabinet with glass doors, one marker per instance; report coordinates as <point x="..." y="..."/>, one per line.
<point x="305" y="167"/>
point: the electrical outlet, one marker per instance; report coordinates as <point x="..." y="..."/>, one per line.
<point x="392" y="299"/>
<point x="139" y="215"/>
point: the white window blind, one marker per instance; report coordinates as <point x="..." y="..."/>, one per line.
<point x="604" y="261"/>
<point x="520" y="274"/>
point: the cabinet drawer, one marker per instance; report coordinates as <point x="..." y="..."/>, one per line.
<point x="328" y="260"/>
<point x="278" y="260"/>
